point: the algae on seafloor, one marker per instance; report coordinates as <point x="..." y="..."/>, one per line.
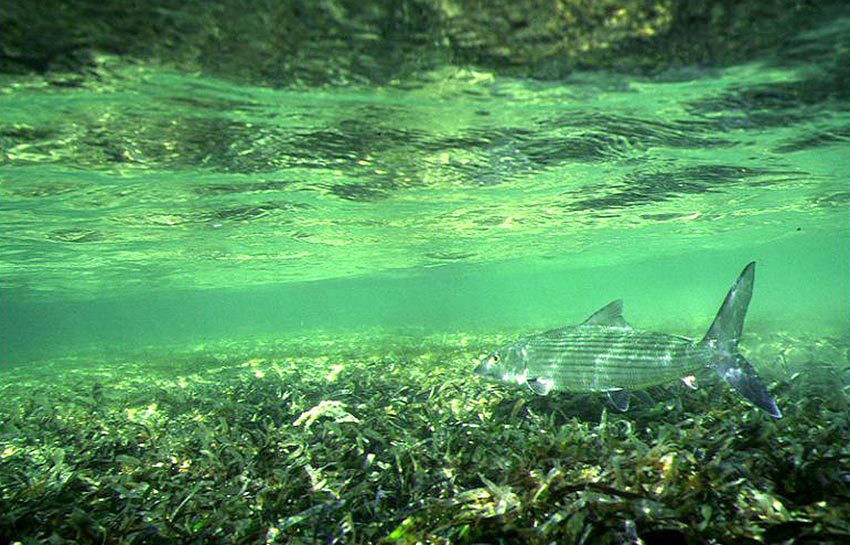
<point x="370" y="439"/>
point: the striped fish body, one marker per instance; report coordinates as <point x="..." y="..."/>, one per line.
<point x="599" y="358"/>
<point x="606" y="354"/>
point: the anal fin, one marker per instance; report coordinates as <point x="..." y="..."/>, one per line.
<point x="690" y="381"/>
<point x="620" y="399"/>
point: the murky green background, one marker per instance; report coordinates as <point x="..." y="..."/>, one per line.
<point x="164" y="206"/>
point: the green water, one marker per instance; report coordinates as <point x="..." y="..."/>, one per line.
<point x="171" y="205"/>
<point x="236" y="313"/>
<point x="801" y="287"/>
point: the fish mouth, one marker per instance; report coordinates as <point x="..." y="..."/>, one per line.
<point x="484" y="364"/>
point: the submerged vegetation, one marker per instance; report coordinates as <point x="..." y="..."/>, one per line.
<point x="332" y="441"/>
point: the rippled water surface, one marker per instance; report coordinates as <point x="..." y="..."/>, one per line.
<point x="143" y="184"/>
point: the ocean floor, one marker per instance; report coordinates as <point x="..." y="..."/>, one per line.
<point x="393" y="439"/>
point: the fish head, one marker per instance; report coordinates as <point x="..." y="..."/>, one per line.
<point x="489" y="365"/>
<point x="504" y="364"/>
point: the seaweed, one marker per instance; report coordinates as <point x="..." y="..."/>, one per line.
<point x="371" y="439"/>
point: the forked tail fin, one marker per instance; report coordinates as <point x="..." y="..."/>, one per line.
<point x="722" y="343"/>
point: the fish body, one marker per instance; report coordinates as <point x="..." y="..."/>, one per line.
<point x="605" y="354"/>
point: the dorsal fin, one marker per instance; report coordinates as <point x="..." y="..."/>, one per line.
<point x="610" y="315"/>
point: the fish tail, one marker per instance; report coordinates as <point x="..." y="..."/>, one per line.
<point x="721" y="341"/>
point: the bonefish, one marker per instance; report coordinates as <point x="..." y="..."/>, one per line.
<point x="606" y="354"/>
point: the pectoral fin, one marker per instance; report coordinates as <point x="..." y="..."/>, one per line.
<point x="541" y="386"/>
